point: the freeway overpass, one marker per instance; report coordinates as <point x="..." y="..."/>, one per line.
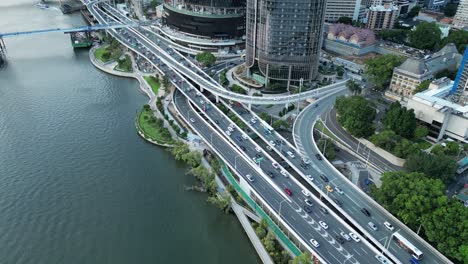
<point x="139" y="41"/>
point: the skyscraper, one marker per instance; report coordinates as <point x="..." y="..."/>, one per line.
<point x="353" y="9"/>
<point x="459" y="90"/>
<point x="461" y="17"/>
<point x="283" y="38"/>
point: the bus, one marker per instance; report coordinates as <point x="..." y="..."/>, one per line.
<point x="404" y="243"/>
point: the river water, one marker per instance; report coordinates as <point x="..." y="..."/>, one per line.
<point x="77" y="184"/>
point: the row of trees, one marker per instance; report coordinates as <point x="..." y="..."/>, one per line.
<point x="420" y="201"/>
<point x="206" y="58"/>
<point x="426" y="36"/>
<point x="268" y="238"/>
<point x="356" y="114"/>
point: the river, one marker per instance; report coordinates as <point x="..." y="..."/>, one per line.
<point x="77" y="184"/>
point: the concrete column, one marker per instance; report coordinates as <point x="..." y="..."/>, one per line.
<point x="249" y="106"/>
<point x="201" y="89"/>
<point x="289" y="77"/>
<point x="447" y="115"/>
<point x="217" y="98"/>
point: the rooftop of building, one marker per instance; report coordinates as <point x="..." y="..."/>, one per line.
<point x="437" y="96"/>
<point x="385" y="7"/>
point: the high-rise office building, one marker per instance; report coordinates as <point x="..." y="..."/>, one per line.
<point x="459" y="90"/>
<point x="283" y="38"/>
<point x="461" y="17"/>
<point x="353" y="9"/>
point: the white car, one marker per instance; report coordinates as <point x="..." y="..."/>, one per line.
<point x="291" y="154"/>
<point x="283" y="172"/>
<point x="228" y="132"/>
<point x="354" y="237"/>
<point x="338" y="190"/>
<point x="306" y="160"/>
<point x="308" y="202"/>
<point x="272" y="143"/>
<point x="192" y="120"/>
<point x="310" y="177"/>
<point x="244" y="136"/>
<point x="249" y="177"/>
<point x="314" y="243"/>
<point x="388" y="226"/>
<point x="230" y="129"/>
<point x="382" y="259"/>
<point x="306" y="193"/>
<point x="258" y="149"/>
<point x="253" y="121"/>
<point x="275" y="165"/>
<point x="323" y="224"/>
<point x="345" y="236"/>
<point x="269" y="148"/>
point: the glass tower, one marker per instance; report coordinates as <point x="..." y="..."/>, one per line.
<point x="283" y="38"/>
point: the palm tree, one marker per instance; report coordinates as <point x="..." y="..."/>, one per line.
<point x="353" y="87"/>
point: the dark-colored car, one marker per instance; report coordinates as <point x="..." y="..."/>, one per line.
<point x="366" y="212"/>
<point x="318" y="156"/>
<point x="338" y="202"/>
<point x="239" y="138"/>
<point x="308" y="209"/>
<point x="258" y="156"/>
<point x="339" y="239"/>
<point x="287" y="191"/>
<point x="217" y="122"/>
<point x="243" y="148"/>
<point x="324" y="210"/>
<point x="271" y="174"/>
<point x="324" y="178"/>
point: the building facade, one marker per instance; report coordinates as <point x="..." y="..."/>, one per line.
<point x="461" y="17"/>
<point x="353" y="9"/>
<point x="221" y="19"/>
<point x="283" y="38"/>
<point x="382" y="16"/>
<point x="442" y="117"/>
<point x="414" y="71"/>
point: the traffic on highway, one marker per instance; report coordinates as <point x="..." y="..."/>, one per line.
<point x="338" y="230"/>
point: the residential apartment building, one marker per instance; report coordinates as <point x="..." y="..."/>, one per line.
<point x="353" y="9"/>
<point x="461" y="17"/>
<point x="382" y="16"/>
<point x="413" y="71"/>
<point x="283" y="39"/>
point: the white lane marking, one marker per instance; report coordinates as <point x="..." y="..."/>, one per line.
<point x="293" y="218"/>
<point x="365" y="252"/>
<point x="357" y="252"/>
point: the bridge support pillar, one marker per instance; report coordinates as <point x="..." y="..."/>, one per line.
<point x="201" y="89"/>
<point x="249" y="106"/>
<point x="217" y="99"/>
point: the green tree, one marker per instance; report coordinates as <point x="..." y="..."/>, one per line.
<point x="280" y="123"/>
<point x="457" y="37"/>
<point x="327" y="144"/>
<point x="420" y="132"/>
<point x="448" y="227"/>
<point x="414" y="11"/>
<point x="437" y="150"/>
<point x="435" y="166"/>
<point x="205" y="58"/>
<point x="410" y="196"/>
<point x="405" y="147"/>
<point x="223" y="202"/>
<point x="422" y="86"/>
<point x="425" y="36"/>
<point x="179" y="150"/>
<point x="193" y="158"/>
<point x="394" y="35"/>
<point x="261" y="232"/>
<point x="165" y="81"/>
<point x="304" y="258"/>
<point x="353" y="87"/>
<point x="380" y="69"/>
<point x="450" y="9"/>
<point x="452" y="148"/>
<point x="356" y="115"/>
<point x="345" y="20"/>
<point x="386" y="139"/>
<point x="400" y="120"/>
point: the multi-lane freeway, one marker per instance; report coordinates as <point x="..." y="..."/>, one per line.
<point x="243" y="152"/>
